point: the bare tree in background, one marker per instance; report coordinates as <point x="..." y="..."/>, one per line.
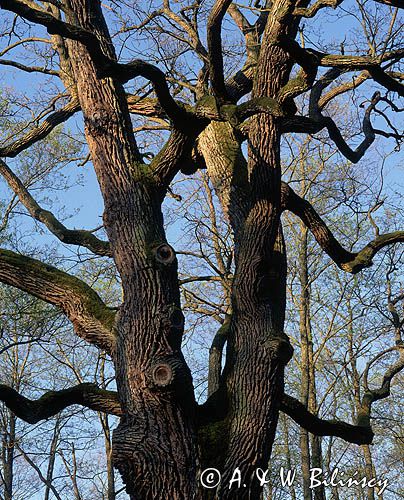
<point x="164" y="436"/>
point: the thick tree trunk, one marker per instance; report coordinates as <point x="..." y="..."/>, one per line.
<point x="255" y="387"/>
<point x="154" y="444"/>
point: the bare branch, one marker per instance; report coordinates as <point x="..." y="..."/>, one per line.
<point x="345" y="87"/>
<point x="40" y="132"/>
<point x="92" y="319"/>
<point x="345" y="260"/>
<point x="69" y="236"/>
<point x="28" y="69"/>
<point x="103" y="63"/>
<point x="358" y="434"/>
<point x="384" y="390"/>
<point x="53" y="402"/>
<point x="313" y="9"/>
<point x="392" y="3"/>
<point x="145" y="106"/>
<point x="349" y="62"/>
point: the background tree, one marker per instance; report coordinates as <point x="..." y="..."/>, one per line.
<point x="209" y="105"/>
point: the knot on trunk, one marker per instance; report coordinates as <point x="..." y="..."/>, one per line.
<point x="164" y="372"/>
<point x="164" y="254"/>
<point x="280" y="348"/>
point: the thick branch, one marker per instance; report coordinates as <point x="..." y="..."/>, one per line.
<point x="349" y="62"/>
<point x="305" y="78"/>
<point x="52" y="402"/>
<point x="69" y="236"/>
<point x="214" y="36"/>
<point x="358" y="434"/>
<point x="240" y="83"/>
<point x="347" y="261"/>
<point x="313" y="9"/>
<point x="125" y="72"/>
<point x="207" y="108"/>
<point x="92" y="319"/>
<point x="53" y="25"/>
<point x="175" y="155"/>
<point x="392" y="3"/>
<point x="383" y="391"/>
<point x="145" y="106"/>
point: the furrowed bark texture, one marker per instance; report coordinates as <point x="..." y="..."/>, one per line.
<point x="153" y="444"/>
<point x="258" y="349"/>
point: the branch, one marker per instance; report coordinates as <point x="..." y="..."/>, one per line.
<point x="312" y="10"/>
<point x="214" y="37"/>
<point x="371" y="64"/>
<point x="350" y="62"/>
<point x="125" y="72"/>
<point x="28" y="69"/>
<point x="384" y="79"/>
<point x="392" y="3"/>
<point x="105" y="66"/>
<point x="175" y="155"/>
<point x="383" y="391"/>
<point x="358" y="434"/>
<point x="305" y="78"/>
<point x="53" y="25"/>
<point x="372" y="395"/>
<point x="69" y="236"/>
<point x="207" y="109"/>
<point x="93" y="321"/>
<point x="325" y="121"/>
<point x="145" y="106"/>
<point x="52" y="402"/>
<point x="40" y="132"/>
<point x="240" y="83"/>
<point x="344" y="87"/>
<point x="347" y="261"/>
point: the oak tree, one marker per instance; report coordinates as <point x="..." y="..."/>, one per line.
<point x="230" y="121"/>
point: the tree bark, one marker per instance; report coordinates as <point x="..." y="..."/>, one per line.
<point x="154" y="444"/>
<point x="259" y="289"/>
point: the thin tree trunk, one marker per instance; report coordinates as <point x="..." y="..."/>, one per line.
<point x="107" y="439"/>
<point x="305" y="370"/>
<point x="52" y="458"/>
<point x="370" y="470"/>
<point x="369" y="466"/>
<point x="9" y="452"/>
<point x="288" y="453"/>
